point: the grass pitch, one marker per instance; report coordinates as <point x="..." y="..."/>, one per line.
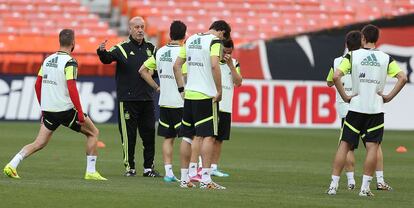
<point x="268" y="168"/>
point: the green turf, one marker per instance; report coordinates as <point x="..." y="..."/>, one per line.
<point x="268" y="167"/>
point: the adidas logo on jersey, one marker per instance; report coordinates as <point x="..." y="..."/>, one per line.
<point x="370" y="60"/>
<point x="166" y="56"/>
<point x="52" y="62"/>
<point x="362" y="75"/>
<point x="195" y="44"/>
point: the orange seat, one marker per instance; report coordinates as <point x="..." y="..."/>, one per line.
<point x="89" y="65"/>
<point x="15" y="63"/>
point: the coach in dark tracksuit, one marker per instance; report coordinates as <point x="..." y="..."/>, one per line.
<point x="136" y="108"/>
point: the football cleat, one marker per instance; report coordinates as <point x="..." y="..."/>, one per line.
<point x="211" y="185"/>
<point x="130" y="172"/>
<point x="351" y="186"/>
<point x="366" y="192"/>
<point x="152" y="173"/>
<point x="94" y="176"/>
<point x="196" y="178"/>
<point x="10" y="172"/>
<point x="170" y="179"/>
<point x="332" y="190"/>
<point x="384" y="186"/>
<point x="185" y="184"/>
<point x="219" y="173"/>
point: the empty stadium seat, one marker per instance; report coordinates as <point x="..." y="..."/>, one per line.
<point x="29" y="29"/>
<point x="323" y="13"/>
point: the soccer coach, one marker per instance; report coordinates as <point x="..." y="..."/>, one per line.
<point x="135" y="96"/>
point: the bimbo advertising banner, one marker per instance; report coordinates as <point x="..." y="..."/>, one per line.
<point x="307" y="104"/>
<point x="302" y="104"/>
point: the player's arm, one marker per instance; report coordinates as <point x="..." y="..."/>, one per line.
<point x="105" y="56"/>
<point x="344" y="68"/>
<point x="215" y="56"/>
<point x="329" y="78"/>
<point x="184" y="70"/>
<point x="38" y="85"/>
<point x="147" y="70"/>
<point x="71" y="69"/>
<point x="394" y="71"/>
<point x="177" y="69"/>
<point x="235" y="73"/>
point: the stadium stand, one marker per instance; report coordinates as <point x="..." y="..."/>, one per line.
<point x="263" y="19"/>
<point x="29" y="28"/>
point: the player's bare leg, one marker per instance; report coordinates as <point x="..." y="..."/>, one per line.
<point x="338" y="165"/>
<point x="195" y="152"/>
<point x="167" y="150"/>
<point x="350" y="169"/>
<point x="207" y="150"/>
<point x="216" y="152"/>
<point x="369" y="168"/>
<point x="215" y="160"/>
<point x="42" y="139"/>
<point x="379" y="172"/>
<point x="185" y="155"/>
<point x="92" y="134"/>
<point x="167" y="155"/>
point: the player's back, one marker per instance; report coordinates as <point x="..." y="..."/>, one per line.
<point x="55" y="94"/>
<point x="165" y="58"/>
<point x="369" y="72"/>
<point x="199" y="71"/>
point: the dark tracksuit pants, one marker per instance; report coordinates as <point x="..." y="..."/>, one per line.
<point x="133" y="115"/>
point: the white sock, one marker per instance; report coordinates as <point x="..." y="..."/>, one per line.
<point x="200" y="162"/>
<point x="214" y="167"/>
<point x="205" y="175"/>
<point x="366" y="180"/>
<point x="380" y="176"/>
<point x="350" y="176"/>
<point x="335" y="181"/>
<point x="16" y="160"/>
<point x="192" y="169"/>
<point x="184" y="175"/>
<point x="146" y="170"/>
<point x="168" y="170"/>
<point x="90" y="164"/>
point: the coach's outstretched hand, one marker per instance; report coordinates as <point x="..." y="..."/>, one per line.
<point x="102" y="46"/>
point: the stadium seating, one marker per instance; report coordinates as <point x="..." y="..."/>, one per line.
<point x="263" y="19"/>
<point x="29" y="30"/>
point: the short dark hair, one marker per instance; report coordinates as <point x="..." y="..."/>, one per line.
<point x="371" y="33"/>
<point x="177" y="30"/>
<point x="353" y="40"/>
<point x="228" y="43"/>
<point x="66" y="37"/>
<point x="221" y="25"/>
